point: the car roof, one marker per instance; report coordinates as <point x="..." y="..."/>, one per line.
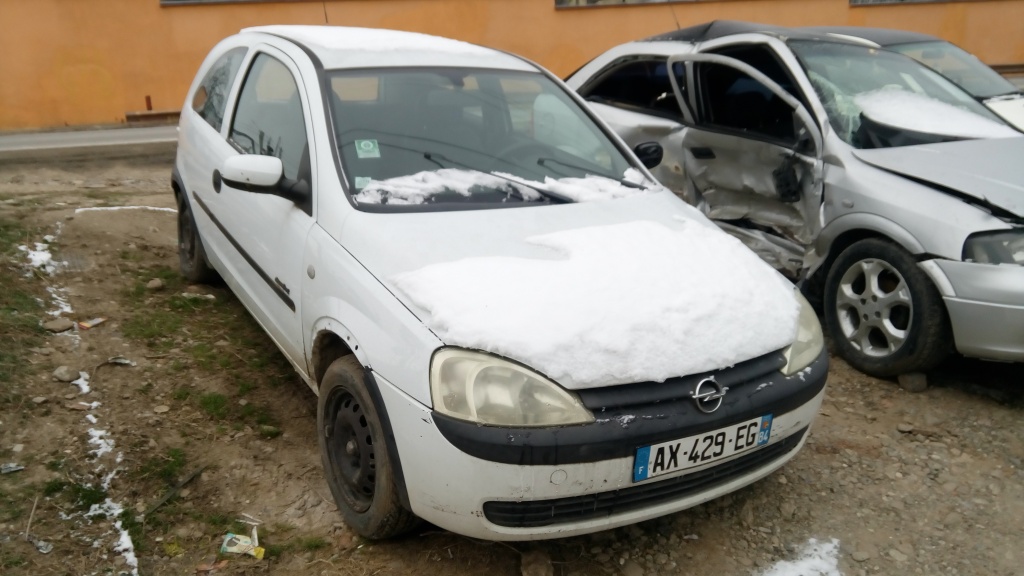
<point x="722" y="28"/>
<point x="880" y="36"/>
<point x="340" y="47"/>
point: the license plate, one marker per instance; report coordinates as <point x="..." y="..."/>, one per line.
<point x="675" y="455"/>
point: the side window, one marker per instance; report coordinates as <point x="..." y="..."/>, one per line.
<point x="210" y="98"/>
<point x="268" y="120"/>
<point x="640" y="83"/>
<point x="733" y="100"/>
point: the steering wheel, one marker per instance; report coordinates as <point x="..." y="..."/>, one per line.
<point x="521" y="151"/>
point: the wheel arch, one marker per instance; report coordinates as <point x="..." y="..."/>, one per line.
<point x="846" y="231"/>
<point x="331" y="341"/>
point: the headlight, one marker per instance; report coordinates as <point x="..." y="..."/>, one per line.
<point x="489" y="390"/>
<point x="808" y="343"/>
<point x="1004" y="247"/>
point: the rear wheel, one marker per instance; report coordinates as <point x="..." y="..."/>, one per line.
<point x="882" y="311"/>
<point x="355" y="455"/>
<point x="191" y="254"/>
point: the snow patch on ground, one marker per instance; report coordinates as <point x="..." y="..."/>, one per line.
<point x="614" y="304"/>
<point x="920" y="113"/>
<point x="113" y="208"/>
<point x="123" y="545"/>
<point x="82" y="383"/>
<point x="100" y="439"/>
<point x="815" y="559"/>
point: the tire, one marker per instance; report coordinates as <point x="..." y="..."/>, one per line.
<point x="354" y="452"/>
<point x="191" y="255"/>
<point x="883" y="313"/>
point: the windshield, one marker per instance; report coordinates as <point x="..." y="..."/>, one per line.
<point x="959" y="66"/>
<point x="879" y="99"/>
<point x="461" y="138"/>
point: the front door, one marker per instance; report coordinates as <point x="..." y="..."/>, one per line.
<point x="753" y="157"/>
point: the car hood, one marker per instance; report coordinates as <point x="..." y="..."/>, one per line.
<point x="577" y="292"/>
<point x="988" y="171"/>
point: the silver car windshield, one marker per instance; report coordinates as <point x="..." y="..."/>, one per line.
<point x="458" y="138"/>
<point x="959" y="66"/>
<point x="878" y="99"/>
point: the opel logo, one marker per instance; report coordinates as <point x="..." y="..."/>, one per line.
<point x="708" y="395"/>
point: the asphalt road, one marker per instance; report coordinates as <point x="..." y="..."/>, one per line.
<point x="87" y="138"/>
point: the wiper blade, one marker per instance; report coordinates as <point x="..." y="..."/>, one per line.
<point x="544" y="162"/>
<point x="549" y="194"/>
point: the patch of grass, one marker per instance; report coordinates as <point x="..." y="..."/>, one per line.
<point x="166" y="467"/>
<point x="152" y="325"/>
<point x="311" y="544"/>
<point x="215" y="405"/>
<point x="20" y="309"/>
<point x="85" y="497"/>
<point x="134" y="529"/>
<point x="9" y="559"/>
<point x="181" y="394"/>
<point x="55" y="486"/>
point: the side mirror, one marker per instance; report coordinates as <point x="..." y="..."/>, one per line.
<point x="649" y="153"/>
<point x="252" y="172"/>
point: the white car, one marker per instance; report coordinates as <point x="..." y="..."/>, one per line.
<point x="514" y="332"/>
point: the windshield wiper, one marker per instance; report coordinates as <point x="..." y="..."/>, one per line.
<point x="544" y="162"/>
<point x="549" y="194"/>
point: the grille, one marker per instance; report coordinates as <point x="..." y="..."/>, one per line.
<point x="580" y="508"/>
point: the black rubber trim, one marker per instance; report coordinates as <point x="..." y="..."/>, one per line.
<point x="621" y="429"/>
<point x="245" y="255"/>
<point x="535" y="513"/>
<point x="389" y="433"/>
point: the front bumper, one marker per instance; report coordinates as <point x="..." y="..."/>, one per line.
<point x="516" y="484"/>
<point x="986" y="309"/>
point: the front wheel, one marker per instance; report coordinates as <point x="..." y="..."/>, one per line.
<point x="355" y="455"/>
<point x="882" y="311"/>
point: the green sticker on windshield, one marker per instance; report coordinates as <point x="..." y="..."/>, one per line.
<point x="367" y="149"/>
<point x="362" y="182"/>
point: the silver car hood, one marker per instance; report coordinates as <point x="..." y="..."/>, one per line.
<point x="990" y="171"/>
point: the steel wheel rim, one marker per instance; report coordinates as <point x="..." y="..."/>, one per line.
<point x="874" y="307"/>
<point x="350" y="450"/>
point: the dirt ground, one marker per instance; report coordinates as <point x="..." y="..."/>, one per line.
<point x="207" y="431"/>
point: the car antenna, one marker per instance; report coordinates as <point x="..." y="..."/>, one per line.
<point x="324" y="4"/>
<point x="675" y="17"/>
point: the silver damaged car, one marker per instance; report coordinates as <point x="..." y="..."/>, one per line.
<point x="895" y="197"/>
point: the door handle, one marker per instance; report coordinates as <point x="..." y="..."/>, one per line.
<point x="702" y="153"/>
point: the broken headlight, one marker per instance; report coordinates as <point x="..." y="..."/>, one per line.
<point x="808" y="343"/>
<point x="490" y="390"/>
<point x="1003" y="247"/>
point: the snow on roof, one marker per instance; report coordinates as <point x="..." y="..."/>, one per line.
<point x="370" y="39"/>
<point x="349" y="47"/>
<point x="917" y="112"/>
<point x="614" y="304"/>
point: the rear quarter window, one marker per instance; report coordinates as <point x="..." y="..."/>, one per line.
<point x="210" y="98"/>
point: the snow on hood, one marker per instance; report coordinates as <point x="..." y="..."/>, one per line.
<point x="989" y="170"/>
<point x="912" y="111"/>
<point x="612" y="304"/>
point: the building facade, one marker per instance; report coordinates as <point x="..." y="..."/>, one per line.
<point x="90" y="62"/>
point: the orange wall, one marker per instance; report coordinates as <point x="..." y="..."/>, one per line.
<point x="78" y="62"/>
